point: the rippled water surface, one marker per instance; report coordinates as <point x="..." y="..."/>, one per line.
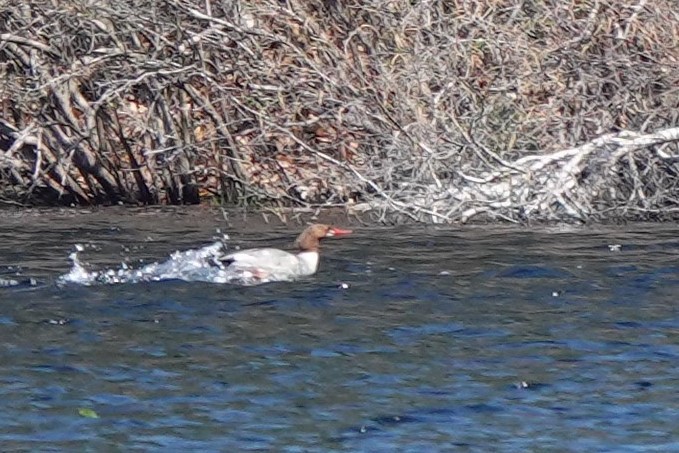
<point x="446" y="339"/>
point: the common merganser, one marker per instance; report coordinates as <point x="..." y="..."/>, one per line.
<point x="269" y="263"/>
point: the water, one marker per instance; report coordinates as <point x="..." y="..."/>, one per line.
<point x="446" y="339"/>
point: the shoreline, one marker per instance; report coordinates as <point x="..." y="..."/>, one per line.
<point x="265" y="219"/>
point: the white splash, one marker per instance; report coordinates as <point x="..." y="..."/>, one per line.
<point x="194" y="265"/>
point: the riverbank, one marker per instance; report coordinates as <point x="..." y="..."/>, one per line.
<point x="430" y="112"/>
<point x="219" y="220"/>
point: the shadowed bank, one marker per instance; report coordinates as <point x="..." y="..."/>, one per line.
<point x="434" y="111"/>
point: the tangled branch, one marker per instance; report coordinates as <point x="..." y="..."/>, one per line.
<point x="437" y="111"/>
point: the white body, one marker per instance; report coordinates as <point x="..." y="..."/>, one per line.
<point x="273" y="262"/>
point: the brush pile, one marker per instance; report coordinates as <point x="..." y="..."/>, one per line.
<point x="433" y="110"/>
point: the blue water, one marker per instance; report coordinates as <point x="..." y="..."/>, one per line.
<point x="446" y="339"/>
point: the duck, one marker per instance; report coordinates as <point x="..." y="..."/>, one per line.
<point x="275" y="264"/>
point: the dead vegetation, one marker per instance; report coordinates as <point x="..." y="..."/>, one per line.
<point x="433" y="110"/>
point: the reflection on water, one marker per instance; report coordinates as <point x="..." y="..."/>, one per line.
<point x="475" y="339"/>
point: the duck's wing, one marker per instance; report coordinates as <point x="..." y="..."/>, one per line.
<point x="265" y="259"/>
